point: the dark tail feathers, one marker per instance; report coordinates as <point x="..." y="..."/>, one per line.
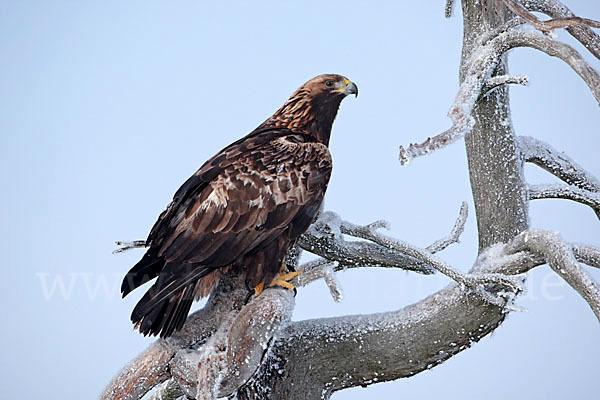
<point x="164" y="307"/>
<point x="165" y="316"/>
<point x="148" y="268"/>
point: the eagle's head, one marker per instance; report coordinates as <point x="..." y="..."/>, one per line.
<point x="312" y="108"/>
<point x="328" y="87"/>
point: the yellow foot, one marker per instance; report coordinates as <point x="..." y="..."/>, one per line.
<point x="283" y="280"/>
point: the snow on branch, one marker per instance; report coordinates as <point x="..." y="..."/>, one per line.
<point x="500" y="80"/>
<point x="566" y="192"/>
<point x="320" y="269"/>
<point x="448" y="8"/>
<point x="586" y="254"/>
<point x="556" y="9"/>
<point x="454" y="236"/>
<point x="148" y="369"/>
<point x="560" y="50"/>
<point x="328" y="234"/>
<point x="481" y="65"/>
<point x="560" y="258"/>
<point x="548" y="26"/>
<point x="474" y="282"/>
<point x="324" y="239"/>
<point x="557" y="163"/>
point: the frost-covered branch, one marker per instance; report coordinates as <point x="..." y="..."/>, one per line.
<point x="557" y="163"/>
<point x="471" y="281"/>
<point x="560" y="50"/>
<point x="323" y="268"/>
<point x="140" y="375"/>
<point x="454" y="236"/>
<point x="448" y="8"/>
<point x="503" y="259"/>
<point x="560" y="258"/>
<point x="586" y="254"/>
<point x="327" y="232"/>
<point x="566" y="192"/>
<point x="500" y="80"/>
<point x="548" y="26"/>
<point x="320" y="269"/>
<point x="324" y="239"/>
<point x="556" y="9"/>
<point x="480" y="67"/>
<point x="126" y="246"/>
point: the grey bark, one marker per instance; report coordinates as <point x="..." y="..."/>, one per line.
<point x="495" y="170"/>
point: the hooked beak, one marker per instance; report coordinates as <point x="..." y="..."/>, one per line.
<point x="350" y="88"/>
<point x="346" y="88"/>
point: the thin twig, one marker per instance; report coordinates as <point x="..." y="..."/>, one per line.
<point x="320" y="269"/>
<point x="448" y="9"/>
<point x="454" y="236"/>
<point x="500" y="80"/>
<point x="125" y="246"/>
<point x="556" y="9"/>
<point x="566" y="192"/>
<point x="548" y="26"/>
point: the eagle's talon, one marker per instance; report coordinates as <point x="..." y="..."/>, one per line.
<point x="251" y="293"/>
<point x="283" y="280"/>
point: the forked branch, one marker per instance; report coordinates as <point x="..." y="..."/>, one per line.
<point x="481" y="66"/>
<point x="560" y="258"/>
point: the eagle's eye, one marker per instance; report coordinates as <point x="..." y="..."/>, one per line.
<point x="329" y="83"/>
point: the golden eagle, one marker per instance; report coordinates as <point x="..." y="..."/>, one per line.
<point x="242" y="210"/>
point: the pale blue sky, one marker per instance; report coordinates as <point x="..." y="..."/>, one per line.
<point x="107" y="107"/>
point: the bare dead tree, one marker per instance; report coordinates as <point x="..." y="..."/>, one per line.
<point x="252" y="351"/>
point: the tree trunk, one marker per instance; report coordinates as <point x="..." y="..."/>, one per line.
<point x="495" y="167"/>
